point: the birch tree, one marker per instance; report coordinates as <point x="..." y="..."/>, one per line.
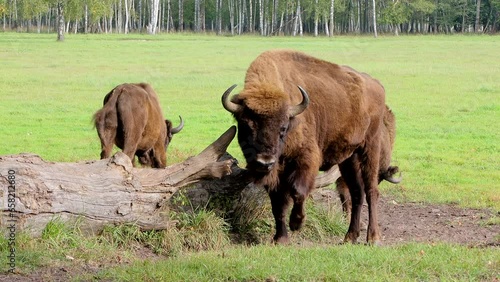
<point x="374" y="20"/>
<point x="261" y="18"/>
<point x="181" y="15"/>
<point x="218" y="17"/>
<point x="332" y="13"/>
<point x="60" y="21"/>
<point x="478" y="16"/>
<point x="153" y="20"/>
<point x="127" y="16"/>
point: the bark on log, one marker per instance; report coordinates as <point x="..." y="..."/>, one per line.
<point x="112" y="191"/>
<point x="101" y="192"/>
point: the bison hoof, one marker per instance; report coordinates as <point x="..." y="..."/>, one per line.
<point x="296" y="222"/>
<point x="281" y="240"/>
<point x="350" y="239"/>
<point x="376" y="243"/>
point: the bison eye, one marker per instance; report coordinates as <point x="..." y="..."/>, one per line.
<point x="283" y="130"/>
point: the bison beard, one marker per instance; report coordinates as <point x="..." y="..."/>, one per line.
<point x="132" y="119"/>
<point x="288" y="134"/>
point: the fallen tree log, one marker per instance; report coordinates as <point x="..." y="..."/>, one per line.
<point x="112" y="191"/>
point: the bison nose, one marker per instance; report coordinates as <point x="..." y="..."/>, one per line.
<point x="266" y="162"/>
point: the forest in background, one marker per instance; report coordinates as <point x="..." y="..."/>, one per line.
<point x="264" y="17"/>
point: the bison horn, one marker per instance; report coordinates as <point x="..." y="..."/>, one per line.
<point x="178" y="128"/>
<point x="389" y="175"/>
<point x="394" y="180"/>
<point x="295" y="110"/>
<point x="227" y="103"/>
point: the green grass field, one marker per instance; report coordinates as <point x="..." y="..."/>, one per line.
<point x="444" y="91"/>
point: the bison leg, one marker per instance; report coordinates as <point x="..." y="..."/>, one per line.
<point x="130" y="145"/>
<point x="159" y="157"/>
<point x="105" y="124"/>
<point x="345" y="197"/>
<point x="370" y="174"/>
<point x="107" y="137"/>
<point x="351" y="174"/>
<point x="279" y="204"/>
<point x="372" y="194"/>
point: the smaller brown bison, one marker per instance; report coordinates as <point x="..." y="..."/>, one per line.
<point x="386" y="171"/>
<point x="132" y="119"/>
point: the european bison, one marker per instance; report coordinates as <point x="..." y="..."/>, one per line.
<point x="132" y="119"/>
<point x="386" y="171"/>
<point x="297" y="115"/>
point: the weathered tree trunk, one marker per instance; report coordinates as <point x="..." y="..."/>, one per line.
<point x="101" y="192"/>
<point x="112" y="191"/>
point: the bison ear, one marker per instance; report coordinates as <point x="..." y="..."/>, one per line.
<point x="168" y="124"/>
<point x="229" y="105"/>
<point x="298" y="109"/>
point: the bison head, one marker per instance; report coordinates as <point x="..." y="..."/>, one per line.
<point x="172" y="130"/>
<point x="264" y="116"/>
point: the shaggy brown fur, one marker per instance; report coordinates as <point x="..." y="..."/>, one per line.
<point x="341" y="125"/>
<point x="132" y="119"/>
<point x="386" y="171"/>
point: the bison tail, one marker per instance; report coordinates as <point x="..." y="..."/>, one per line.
<point x="108" y="109"/>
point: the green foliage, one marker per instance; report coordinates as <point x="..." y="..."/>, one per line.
<point x="60" y="235"/>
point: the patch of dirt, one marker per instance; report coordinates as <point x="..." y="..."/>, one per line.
<point x="429" y="223"/>
<point x="437" y="223"/>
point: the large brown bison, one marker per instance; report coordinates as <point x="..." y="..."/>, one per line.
<point x="297" y="115"/>
<point x="132" y="119"/>
<point x="386" y="171"/>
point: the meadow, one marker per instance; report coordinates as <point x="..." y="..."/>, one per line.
<point x="444" y="91"/>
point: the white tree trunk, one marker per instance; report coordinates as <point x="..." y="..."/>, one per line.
<point x="297" y="18"/>
<point x="332" y="13"/>
<point x="86" y="19"/>
<point x="231" y="15"/>
<point x="181" y="15"/>
<point x="169" y="16"/>
<point x="60" y="22"/>
<point x="261" y="18"/>
<point x="127" y="16"/>
<point x="153" y="21"/>
<point x="374" y="20"/>
<point x="316" y="17"/>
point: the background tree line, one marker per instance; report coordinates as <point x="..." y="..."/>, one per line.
<point x="264" y="17"/>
